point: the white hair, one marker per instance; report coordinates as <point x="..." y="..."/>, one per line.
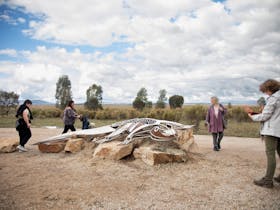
<point x="215" y="98"/>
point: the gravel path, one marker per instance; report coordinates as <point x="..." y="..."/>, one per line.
<point x="211" y="180"/>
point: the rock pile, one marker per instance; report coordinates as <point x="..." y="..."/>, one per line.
<point x="171" y="142"/>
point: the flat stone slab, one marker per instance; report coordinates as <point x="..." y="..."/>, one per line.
<point x="112" y="150"/>
<point x="153" y="157"/>
<point x="52" y="147"/>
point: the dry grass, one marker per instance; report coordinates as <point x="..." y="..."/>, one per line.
<point x="239" y="129"/>
<point x="47" y="115"/>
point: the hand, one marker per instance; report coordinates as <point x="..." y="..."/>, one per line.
<point x="28" y="125"/>
<point x="248" y="109"/>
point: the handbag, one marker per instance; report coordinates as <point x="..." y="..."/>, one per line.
<point x="19" y="123"/>
<point x="224" y="122"/>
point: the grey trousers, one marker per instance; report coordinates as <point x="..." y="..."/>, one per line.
<point x="217" y="138"/>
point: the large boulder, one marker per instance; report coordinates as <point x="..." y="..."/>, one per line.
<point x="74" y="145"/>
<point x="185" y="140"/>
<point x="154" y="156"/>
<point x="113" y="150"/>
<point x="183" y="136"/>
<point x="8" y="145"/>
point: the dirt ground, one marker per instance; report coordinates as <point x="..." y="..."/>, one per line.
<point x="211" y="180"/>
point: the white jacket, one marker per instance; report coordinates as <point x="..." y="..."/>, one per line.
<point x="270" y="116"/>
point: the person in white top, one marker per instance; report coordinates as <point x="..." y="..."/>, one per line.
<point x="270" y="116"/>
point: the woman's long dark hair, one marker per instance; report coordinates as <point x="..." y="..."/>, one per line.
<point x="70" y="104"/>
<point x="27" y="101"/>
<point x="23" y="107"/>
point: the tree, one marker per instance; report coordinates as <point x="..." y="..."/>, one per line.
<point x="161" y="99"/>
<point x="94" y="97"/>
<point x="63" y="92"/>
<point x="149" y="105"/>
<point x="141" y="100"/>
<point x="176" y="101"/>
<point x="8" y="100"/>
<point x="138" y="104"/>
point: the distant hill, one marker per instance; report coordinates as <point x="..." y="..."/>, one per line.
<point x="38" y="102"/>
<point x="245" y="102"/>
<point x="41" y="102"/>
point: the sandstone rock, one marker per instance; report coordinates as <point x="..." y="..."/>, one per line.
<point x="154" y="157"/>
<point x="113" y="150"/>
<point x="8" y="145"/>
<point x="74" y="145"/>
<point x="52" y="147"/>
<point x="183" y="136"/>
<point x="193" y="148"/>
<point x="186" y="142"/>
<point x="186" y="145"/>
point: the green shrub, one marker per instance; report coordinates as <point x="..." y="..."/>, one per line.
<point x="194" y="115"/>
<point x="238" y="114"/>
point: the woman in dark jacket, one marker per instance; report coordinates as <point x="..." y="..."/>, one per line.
<point x="24" y="116"/>
<point x="69" y="117"/>
<point x="215" y="121"/>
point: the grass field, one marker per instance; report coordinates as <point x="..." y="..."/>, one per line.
<point x="238" y="129"/>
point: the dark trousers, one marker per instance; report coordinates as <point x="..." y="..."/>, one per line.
<point x="272" y="144"/>
<point x="217" y="138"/>
<point x="24" y="135"/>
<point x="67" y="127"/>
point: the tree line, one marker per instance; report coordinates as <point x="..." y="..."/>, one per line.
<point x="94" y="97"/>
<point x="63" y="95"/>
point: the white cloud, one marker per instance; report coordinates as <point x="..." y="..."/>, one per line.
<point x="8" y="52"/>
<point x="9" y="19"/>
<point x="192" y="48"/>
<point x="21" y="20"/>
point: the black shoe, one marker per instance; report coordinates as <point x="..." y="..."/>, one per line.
<point x="219" y="146"/>
<point x="277" y="179"/>
<point x="263" y="182"/>
<point x="215" y="149"/>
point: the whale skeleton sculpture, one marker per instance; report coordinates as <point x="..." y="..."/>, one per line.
<point x="139" y="128"/>
<point x="129" y="130"/>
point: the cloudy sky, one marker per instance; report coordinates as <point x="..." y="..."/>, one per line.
<point x="196" y="49"/>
